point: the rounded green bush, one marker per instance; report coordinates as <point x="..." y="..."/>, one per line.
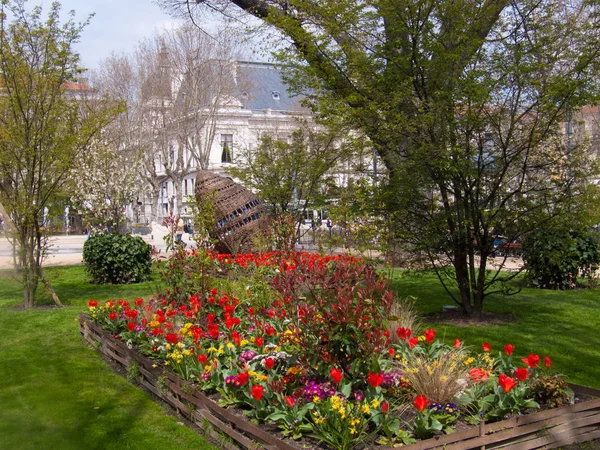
<point x="555" y="259"/>
<point x="117" y="258"/>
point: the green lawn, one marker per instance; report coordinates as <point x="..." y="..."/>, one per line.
<point x="564" y="325"/>
<point x="56" y="392"/>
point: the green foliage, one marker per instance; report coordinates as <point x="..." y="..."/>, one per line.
<point x="42" y="128"/>
<point x="552" y="390"/>
<point x="464" y="102"/>
<point x="555" y="259"/>
<point x="292" y="176"/>
<point x="117" y="258"/>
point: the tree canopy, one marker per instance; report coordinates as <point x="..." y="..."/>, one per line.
<point x="43" y="127"/>
<point x="463" y="101"/>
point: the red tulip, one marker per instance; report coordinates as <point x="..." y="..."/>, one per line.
<point x="259" y="341"/>
<point x="375" y="379"/>
<point x="270" y="331"/>
<point x="506" y="383"/>
<point x="429" y="335"/>
<point x="171" y="338"/>
<point x="336" y="375"/>
<point x="547" y="362"/>
<point x="92" y="303"/>
<point x="391" y="352"/>
<point x="242" y="378"/>
<point x="269" y="363"/>
<point x="532" y="360"/>
<point x="486" y="347"/>
<point x="457" y="343"/>
<point x="290" y="401"/>
<point x="403" y="333"/>
<point x="521" y="373"/>
<point x="508" y="349"/>
<point x="413" y="341"/>
<point x="112" y="316"/>
<point x="131" y="326"/>
<point x="420" y="402"/>
<point x="385" y="407"/>
<point x="202" y="358"/>
<point x="257" y="392"/>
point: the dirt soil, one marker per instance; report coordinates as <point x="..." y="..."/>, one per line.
<point x="458" y="319"/>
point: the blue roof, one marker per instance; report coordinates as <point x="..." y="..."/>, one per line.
<point x="266" y="89"/>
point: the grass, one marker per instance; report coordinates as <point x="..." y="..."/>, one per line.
<point x="57" y="393"/>
<point x="564" y="325"/>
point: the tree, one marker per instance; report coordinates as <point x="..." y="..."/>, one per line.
<point x="292" y="177"/>
<point x="42" y="129"/>
<point x="96" y="190"/>
<point x="186" y="78"/>
<point x="461" y="100"/>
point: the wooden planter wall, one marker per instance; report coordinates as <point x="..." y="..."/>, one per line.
<point x="545" y="429"/>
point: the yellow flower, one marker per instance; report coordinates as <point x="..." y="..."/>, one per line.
<point x="316" y="399"/>
<point x="352" y="430"/>
<point x="469" y="361"/>
<point x="244" y="342"/>
<point x="168" y="346"/>
<point x="230" y="345"/>
<point x="375" y="403"/>
<point x="366" y="409"/>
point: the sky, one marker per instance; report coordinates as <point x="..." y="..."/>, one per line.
<point x="118" y="25"/>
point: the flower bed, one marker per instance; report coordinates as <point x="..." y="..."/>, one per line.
<point x="322" y="355"/>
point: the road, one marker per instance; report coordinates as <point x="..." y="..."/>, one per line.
<point x="67" y="250"/>
<point x="64" y="250"/>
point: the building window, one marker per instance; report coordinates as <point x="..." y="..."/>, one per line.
<point x="227" y="145"/>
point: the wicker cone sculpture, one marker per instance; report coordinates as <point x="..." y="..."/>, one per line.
<point x="239" y="214"/>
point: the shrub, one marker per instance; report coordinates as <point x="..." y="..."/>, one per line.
<point x="117" y="258"/>
<point x="554" y="259"/>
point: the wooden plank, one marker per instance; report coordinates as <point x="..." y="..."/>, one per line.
<point x="584" y="390"/>
<point x="439" y="441"/>
<point x="566" y="436"/>
<point x="509" y="434"/>
<point x="200" y="414"/>
<point x="243" y="424"/>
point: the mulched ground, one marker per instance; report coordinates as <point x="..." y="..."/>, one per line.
<point x="457" y="318"/>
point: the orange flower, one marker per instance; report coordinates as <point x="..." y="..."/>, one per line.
<point x="478" y="375"/>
